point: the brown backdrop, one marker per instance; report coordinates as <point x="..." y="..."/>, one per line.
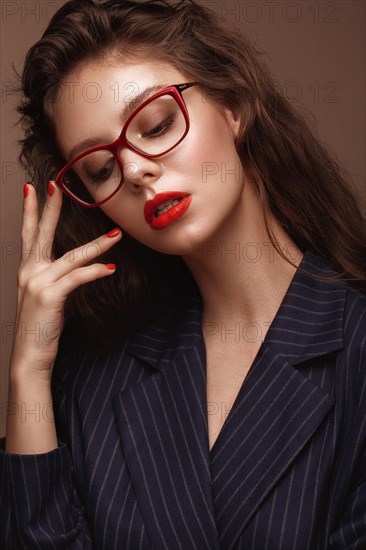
<point x="316" y="49"/>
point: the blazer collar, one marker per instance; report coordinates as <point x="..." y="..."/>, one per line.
<point x="295" y="332"/>
<point x="309" y="321"/>
<point x="174" y="330"/>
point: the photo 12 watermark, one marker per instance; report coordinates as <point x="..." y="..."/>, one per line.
<point x="29" y="11"/>
<point x="272" y="12"/>
<point x="28" y="412"/>
<point x="40" y="253"/>
<point x="251" y="252"/>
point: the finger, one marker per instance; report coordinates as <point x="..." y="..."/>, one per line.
<point x="30" y="220"/>
<point x="84" y="254"/>
<point x="49" y="219"/>
<point x="81" y="276"/>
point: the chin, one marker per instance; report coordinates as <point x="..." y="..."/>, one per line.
<point x="181" y="243"/>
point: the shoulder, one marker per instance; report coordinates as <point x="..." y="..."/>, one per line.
<point x="355" y="312"/>
<point x="343" y="301"/>
<point x="337" y="355"/>
<point x="321" y="325"/>
<point x="81" y="364"/>
<point x="349" y="363"/>
<point x="350" y="310"/>
<point x="354" y="331"/>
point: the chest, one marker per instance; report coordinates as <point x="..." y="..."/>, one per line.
<point x="227" y="367"/>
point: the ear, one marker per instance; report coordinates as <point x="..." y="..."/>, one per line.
<point x="233" y="119"/>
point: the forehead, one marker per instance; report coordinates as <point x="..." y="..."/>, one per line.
<point x="94" y="97"/>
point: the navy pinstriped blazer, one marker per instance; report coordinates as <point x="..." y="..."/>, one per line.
<point x="133" y="468"/>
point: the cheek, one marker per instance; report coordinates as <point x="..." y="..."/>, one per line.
<point x="210" y="147"/>
<point x="213" y="162"/>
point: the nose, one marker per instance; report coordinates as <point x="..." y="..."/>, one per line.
<point x="137" y="170"/>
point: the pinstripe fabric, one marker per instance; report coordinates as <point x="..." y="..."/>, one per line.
<point x="134" y="471"/>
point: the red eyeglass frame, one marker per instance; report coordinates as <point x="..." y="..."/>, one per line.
<point x="175" y="90"/>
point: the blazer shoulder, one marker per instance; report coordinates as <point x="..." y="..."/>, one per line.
<point x="78" y="360"/>
<point x="355" y="317"/>
<point x="354" y="335"/>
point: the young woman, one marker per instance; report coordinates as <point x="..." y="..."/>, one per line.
<point x="209" y="387"/>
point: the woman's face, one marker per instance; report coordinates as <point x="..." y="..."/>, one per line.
<point x="204" y="167"/>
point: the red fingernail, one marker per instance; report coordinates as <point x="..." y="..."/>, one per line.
<point x="112" y="267"/>
<point x="51" y="189"/>
<point x="114" y="233"/>
<point x="25" y="190"/>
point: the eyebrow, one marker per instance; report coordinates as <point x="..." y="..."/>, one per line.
<point x="126" y="112"/>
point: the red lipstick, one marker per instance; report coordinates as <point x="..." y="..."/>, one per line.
<point x="165" y="208"/>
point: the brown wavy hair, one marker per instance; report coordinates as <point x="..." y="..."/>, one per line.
<point x="296" y="177"/>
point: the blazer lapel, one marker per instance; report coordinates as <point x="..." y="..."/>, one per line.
<point x="278" y="408"/>
<point x="163" y="426"/>
<point x="275" y="414"/>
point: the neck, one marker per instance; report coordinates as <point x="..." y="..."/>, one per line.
<point x="240" y="275"/>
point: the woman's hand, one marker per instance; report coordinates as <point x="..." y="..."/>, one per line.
<point x="43" y="286"/>
<point x="44" y="283"/>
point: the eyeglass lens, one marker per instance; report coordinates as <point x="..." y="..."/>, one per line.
<point x="156" y="128"/>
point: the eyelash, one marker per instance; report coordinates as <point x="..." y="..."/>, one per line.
<point x="167" y="122"/>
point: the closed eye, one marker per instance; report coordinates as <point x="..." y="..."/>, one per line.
<point x="161" y="128"/>
<point x="102" y="174"/>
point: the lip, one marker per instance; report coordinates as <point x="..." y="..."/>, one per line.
<point x="171" y="215"/>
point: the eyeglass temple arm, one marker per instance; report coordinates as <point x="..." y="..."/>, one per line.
<point x="182" y="87"/>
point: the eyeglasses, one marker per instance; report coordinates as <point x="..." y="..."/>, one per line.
<point x="156" y="127"/>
